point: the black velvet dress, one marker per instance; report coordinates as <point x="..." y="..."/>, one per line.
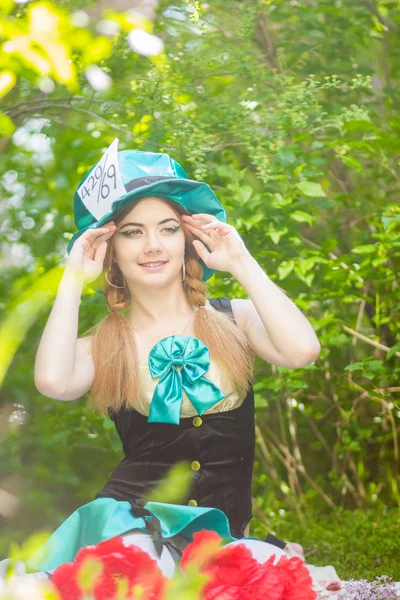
<point x="219" y="446"/>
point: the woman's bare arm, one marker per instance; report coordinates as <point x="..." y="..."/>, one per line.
<point x="64" y="368"/>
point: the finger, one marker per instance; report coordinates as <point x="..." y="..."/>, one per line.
<point x="103" y="238"/>
<point x="88" y="249"/>
<point x="190" y="218"/>
<point x="90" y="246"/>
<point x="204" y="217"/>
<point x="94" y="230"/>
<point x="216" y="225"/>
<point x="101" y="253"/>
<point x="190" y="221"/>
<point x="201" y="250"/>
<point x="94" y="241"/>
<point x="214" y="231"/>
<point x="200" y="234"/>
<point x="91" y="234"/>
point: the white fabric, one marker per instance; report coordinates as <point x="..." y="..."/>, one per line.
<point x="143" y="540"/>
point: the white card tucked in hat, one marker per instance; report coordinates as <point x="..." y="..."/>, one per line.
<point x="104" y="184"/>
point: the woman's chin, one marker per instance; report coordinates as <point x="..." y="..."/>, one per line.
<point x="157" y="279"/>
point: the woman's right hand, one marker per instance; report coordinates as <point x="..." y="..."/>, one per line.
<point x="89" y="250"/>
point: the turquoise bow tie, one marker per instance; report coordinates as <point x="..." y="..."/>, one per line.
<point x="193" y="356"/>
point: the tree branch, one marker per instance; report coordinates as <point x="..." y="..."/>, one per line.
<point x="371" y="5"/>
<point x="368" y="340"/>
<point x="67" y="99"/>
<point x="83" y="111"/>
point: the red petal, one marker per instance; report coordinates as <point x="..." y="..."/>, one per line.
<point x="205" y="544"/>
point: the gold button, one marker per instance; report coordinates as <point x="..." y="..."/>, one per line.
<point x="197" y="421"/>
<point x="195" y="465"/>
<point x="192" y="503"/>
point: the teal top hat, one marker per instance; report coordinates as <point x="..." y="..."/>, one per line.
<point x="121" y="177"/>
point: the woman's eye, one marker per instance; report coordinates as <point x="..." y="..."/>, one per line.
<point x="130" y="232"/>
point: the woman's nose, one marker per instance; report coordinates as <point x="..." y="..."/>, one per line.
<point x="152" y="243"/>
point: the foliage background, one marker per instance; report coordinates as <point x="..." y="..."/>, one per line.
<point x="289" y="110"/>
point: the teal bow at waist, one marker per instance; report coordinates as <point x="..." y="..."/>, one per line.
<point x="193" y="356"/>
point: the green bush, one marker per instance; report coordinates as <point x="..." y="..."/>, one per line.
<point x="360" y="544"/>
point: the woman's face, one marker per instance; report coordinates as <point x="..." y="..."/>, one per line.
<point x="149" y="244"/>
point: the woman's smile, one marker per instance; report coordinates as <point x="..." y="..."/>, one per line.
<point x="154" y="265"/>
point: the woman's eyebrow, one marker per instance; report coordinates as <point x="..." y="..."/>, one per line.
<point x="142" y="225"/>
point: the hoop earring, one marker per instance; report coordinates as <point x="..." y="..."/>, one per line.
<point x="120" y="287"/>
<point x="183" y="271"/>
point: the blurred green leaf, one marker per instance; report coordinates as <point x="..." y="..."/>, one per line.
<point x="7" y="127"/>
<point x="174" y="488"/>
<point x="311" y="189"/>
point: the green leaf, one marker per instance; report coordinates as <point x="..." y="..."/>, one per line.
<point x="253" y="220"/>
<point x="311" y="189"/>
<point x="359" y="125"/>
<point x="387" y="220"/>
<point x="7" y="6"/>
<point x="393" y="350"/>
<point x="279" y="201"/>
<point x="244" y="194"/>
<point x="260" y="401"/>
<point x="286" y="157"/>
<point x="276" y="233"/>
<point x="227" y="172"/>
<point x="307" y="279"/>
<point x="364" y="249"/>
<point x="302" y="217"/>
<point x="7" y="81"/>
<point x="351" y="161"/>
<point x="285" y="268"/>
<point x="357" y="366"/>
<point x="174" y="488"/>
<point x="7" y="126"/>
<point x="89" y="572"/>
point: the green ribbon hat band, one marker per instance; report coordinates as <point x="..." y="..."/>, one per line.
<point x="119" y="178"/>
<point x="193" y="358"/>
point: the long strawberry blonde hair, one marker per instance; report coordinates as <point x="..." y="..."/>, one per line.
<point x="116" y="382"/>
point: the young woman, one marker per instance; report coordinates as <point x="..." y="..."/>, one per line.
<point x="171" y="367"/>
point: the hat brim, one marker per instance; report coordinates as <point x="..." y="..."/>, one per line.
<point x="194" y="197"/>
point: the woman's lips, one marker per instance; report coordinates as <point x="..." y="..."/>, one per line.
<point x="155" y="268"/>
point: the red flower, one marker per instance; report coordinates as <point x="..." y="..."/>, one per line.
<point x="205" y="544"/>
<point x="296" y="579"/>
<point x="117" y="562"/>
<point x="235" y="575"/>
<point x="64" y="579"/>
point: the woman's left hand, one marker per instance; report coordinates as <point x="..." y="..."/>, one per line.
<point x="226" y="245"/>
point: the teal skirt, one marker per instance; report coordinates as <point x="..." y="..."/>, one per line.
<point x="105" y="518"/>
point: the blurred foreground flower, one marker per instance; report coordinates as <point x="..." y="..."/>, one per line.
<point x="145" y="43"/>
<point x="110" y="570"/>
<point x="235" y="575"/>
<point x="27" y="588"/>
<point x="97" y="78"/>
<point x="115" y="571"/>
